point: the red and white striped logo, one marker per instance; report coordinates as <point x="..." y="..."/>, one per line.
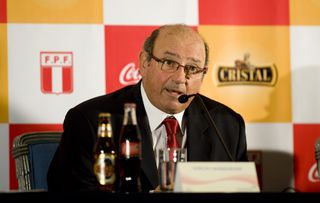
<point x="56" y="72"/>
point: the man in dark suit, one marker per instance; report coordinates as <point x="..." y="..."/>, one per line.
<point x="173" y="63"/>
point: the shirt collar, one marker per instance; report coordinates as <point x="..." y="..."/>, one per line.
<point x="156" y="116"/>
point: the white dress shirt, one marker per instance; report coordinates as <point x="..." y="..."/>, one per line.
<point x="158" y="130"/>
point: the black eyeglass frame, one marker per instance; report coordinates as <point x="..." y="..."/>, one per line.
<point x="185" y="67"/>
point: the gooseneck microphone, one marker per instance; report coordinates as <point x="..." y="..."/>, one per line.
<point x="184" y="98"/>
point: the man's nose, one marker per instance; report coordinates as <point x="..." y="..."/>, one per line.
<point x="180" y="75"/>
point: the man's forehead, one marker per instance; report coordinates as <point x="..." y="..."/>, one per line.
<point x="170" y="35"/>
<point x="178" y="30"/>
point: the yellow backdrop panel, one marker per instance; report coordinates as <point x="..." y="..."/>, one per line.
<point x="57" y="11"/>
<point x="266" y="46"/>
<point x="305" y="12"/>
<point x="3" y="74"/>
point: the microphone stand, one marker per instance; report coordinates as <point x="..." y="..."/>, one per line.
<point x="215" y="127"/>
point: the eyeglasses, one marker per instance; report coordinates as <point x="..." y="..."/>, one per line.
<point x="171" y="66"/>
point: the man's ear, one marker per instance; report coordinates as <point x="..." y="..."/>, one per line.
<point x="143" y="58"/>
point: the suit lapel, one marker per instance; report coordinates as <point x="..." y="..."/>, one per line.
<point x="197" y="126"/>
<point x="148" y="163"/>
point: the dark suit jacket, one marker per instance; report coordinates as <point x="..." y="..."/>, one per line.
<point x="71" y="167"/>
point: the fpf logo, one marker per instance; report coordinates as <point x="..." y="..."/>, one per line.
<point x="56" y="72"/>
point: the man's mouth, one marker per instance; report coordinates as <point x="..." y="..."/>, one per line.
<point x="175" y="92"/>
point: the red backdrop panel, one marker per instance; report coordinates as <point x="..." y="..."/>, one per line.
<point x="244" y="12"/>
<point x="123" y="45"/>
<point x="305" y="136"/>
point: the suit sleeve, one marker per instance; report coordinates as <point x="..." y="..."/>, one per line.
<point x="71" y="167"/>
<point x="241" y="154"/>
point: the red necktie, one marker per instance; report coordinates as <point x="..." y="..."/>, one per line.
<point x="172" y="127"/>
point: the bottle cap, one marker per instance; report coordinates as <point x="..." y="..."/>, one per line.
<point x="131" y="105"/>
<point x="104" y="114"/>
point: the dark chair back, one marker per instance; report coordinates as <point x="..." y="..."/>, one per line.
<point x="33" y="153"/>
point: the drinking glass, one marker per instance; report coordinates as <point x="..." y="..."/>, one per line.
<point x="168" y="160"/>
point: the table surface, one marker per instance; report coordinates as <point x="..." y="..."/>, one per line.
<point x="91" y="197"/>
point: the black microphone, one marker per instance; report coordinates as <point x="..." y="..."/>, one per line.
<point x="184" y="98"/>
<point x="317" y="155"/>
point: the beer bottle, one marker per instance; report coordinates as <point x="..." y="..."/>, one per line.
<point x="129" y="152"/>
<point x="105" y="157"/>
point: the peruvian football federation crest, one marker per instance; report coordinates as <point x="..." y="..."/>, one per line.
<point x="56" y="72"/>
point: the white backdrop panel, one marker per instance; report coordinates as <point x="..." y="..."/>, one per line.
<point x="305" y="64"/>
<point x="26" y="42"/>
<point x="4" y="157"/>
<point x="146" y="12"/>
<point x="276" y="142"/>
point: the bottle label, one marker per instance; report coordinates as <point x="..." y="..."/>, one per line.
<point x="104" y="169"/>
<point x="130" y="149"/>
<point x="104" y="130"/>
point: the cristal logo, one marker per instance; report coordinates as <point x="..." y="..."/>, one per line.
<point x="129" y="75"/>
<point x="245" y="73"/>
<point x="313" y="174"/>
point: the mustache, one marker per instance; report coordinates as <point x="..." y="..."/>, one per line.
<point x="176" y="88"/>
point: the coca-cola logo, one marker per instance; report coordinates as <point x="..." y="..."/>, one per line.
<point x="130" y="149"/>
<point x="129" y="74"/>
<point x="313" y="175"/>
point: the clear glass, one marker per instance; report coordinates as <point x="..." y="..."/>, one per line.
<point x="168" y="160"/>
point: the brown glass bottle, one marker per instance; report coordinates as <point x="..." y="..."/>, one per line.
<point x="129" y="152"/>
<point x="105" y="157"/>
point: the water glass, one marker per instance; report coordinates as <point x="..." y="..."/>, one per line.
<point x="168" y="159"/>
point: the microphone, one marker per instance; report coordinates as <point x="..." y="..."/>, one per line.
<point x="184" y="98"/>
<point x="317" y="155"/>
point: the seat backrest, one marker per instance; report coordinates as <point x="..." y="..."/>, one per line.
<point x="33" y="153"/>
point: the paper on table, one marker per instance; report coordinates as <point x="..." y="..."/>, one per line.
<point x="216" y="177"/>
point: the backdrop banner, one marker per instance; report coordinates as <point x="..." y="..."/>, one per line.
<point x="264" y="63"/>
